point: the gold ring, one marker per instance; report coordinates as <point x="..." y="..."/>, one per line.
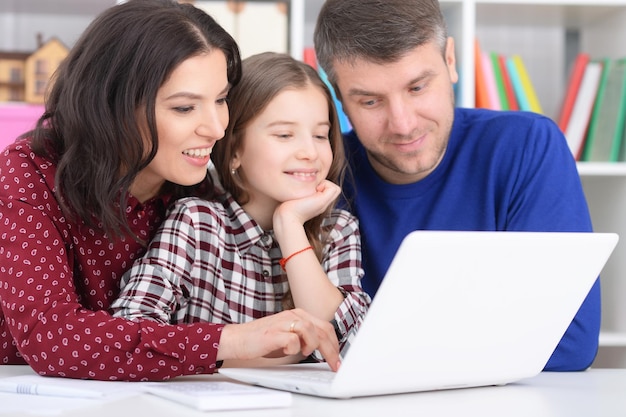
<point x="292" y="326"/>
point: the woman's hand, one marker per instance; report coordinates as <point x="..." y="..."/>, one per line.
<point x="286" y="333"/>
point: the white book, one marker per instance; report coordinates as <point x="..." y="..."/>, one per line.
<point x="583" y="107"/>
<point x="219" y="395"/>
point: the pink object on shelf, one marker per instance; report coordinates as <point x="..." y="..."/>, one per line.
<point x="15" y="119"/>
<point x="490" y="82"/>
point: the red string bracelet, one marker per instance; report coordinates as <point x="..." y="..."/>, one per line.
<point x="284" y="261"/>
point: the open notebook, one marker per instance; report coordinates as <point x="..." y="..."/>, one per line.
<point x="458" y="309"/>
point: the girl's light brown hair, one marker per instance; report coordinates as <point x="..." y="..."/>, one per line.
<point x="264" y="76"/>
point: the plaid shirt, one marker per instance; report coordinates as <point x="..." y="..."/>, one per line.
<point x="211" y="262"/>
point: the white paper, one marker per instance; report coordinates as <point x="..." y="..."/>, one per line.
<point x="51" y="405"/>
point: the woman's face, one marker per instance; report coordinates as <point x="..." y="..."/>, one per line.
<point x="191" y="115"/>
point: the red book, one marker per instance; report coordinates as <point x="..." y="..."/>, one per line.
<point x="508" y="86"/>
<point x="482" y="95"/>
<point x="573" y="85"/>
<point x="309" y="57"/>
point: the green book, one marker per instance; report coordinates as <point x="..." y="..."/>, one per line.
<point x="604" y="137"/>
<point x="497" y="75"/>
<point x="621" y="127"/>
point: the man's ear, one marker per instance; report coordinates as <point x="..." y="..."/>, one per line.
<point x="451" y="60"/>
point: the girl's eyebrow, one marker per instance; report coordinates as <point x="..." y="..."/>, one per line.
<point x="280" y="123"/>
<point x="289" y="123"/>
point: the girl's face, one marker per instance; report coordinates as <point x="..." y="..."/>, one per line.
<point x="191" y="115"/>
<point x="286" y="149"/>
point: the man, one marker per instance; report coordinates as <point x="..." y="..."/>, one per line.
<point x="420" y="163"/>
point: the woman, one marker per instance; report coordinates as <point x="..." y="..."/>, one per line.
<point x="129" y="125"/>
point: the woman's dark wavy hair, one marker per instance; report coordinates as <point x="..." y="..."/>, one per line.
<point x="99" y="122"/>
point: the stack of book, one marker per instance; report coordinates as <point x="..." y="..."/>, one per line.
<point x="594" y="109"/>
<point x="502" y="82"/>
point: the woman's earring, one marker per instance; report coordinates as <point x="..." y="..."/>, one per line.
<point x="233" y="171"/>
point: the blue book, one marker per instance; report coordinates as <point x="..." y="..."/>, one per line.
<point x="518" y="86"/>
<point x="343" y="119"/>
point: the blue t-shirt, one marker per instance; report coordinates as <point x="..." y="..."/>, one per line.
<point x="502" y="171"/>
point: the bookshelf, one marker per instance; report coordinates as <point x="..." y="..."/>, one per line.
<point x="548" y="35"/>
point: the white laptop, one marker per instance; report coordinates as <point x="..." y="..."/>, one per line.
<point x="458" y="309"/>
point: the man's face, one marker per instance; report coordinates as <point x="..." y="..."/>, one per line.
<point x="401" y="111"/>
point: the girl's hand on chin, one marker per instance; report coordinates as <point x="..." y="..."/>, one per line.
<point x="306" y="208"/>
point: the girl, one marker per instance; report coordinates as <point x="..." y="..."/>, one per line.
<point x="273" y="239"/>
<point x="129" y="123"/>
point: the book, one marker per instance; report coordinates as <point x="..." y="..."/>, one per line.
<point x="532" y="101"/>
<point x="309" y="57"/>
<point x="604" y="137"/>
<point x="576" y="131"/>
<point x="28" y="385"/>
<point x="219" y="395"/>
<point x="508" y="87"/>
<point x="573" y="84"/>
<point x="344" y="122"/>
<point x="490" y="82"/>
<point x="482" y="96"/>
<point x="622" y="154"/>
<point x="518" y="88"/>
<point x="498" y="77"/>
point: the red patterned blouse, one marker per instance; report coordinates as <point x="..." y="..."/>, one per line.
<point x="58" y="279"/>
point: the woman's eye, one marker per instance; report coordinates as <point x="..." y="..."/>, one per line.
<point x="184" y="109"/>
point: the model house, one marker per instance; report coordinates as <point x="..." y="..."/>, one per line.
<point x="24" y="76"/>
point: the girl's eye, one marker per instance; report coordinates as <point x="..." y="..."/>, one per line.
<point x="223" y="100"/>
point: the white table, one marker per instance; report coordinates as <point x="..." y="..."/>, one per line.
<point x="594" y="393"/>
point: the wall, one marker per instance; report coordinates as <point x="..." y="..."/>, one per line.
<point x="16" y="119"/>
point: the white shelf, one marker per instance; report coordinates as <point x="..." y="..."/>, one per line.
<point x="602" y="169"/>
<point x="612" y="339"/>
